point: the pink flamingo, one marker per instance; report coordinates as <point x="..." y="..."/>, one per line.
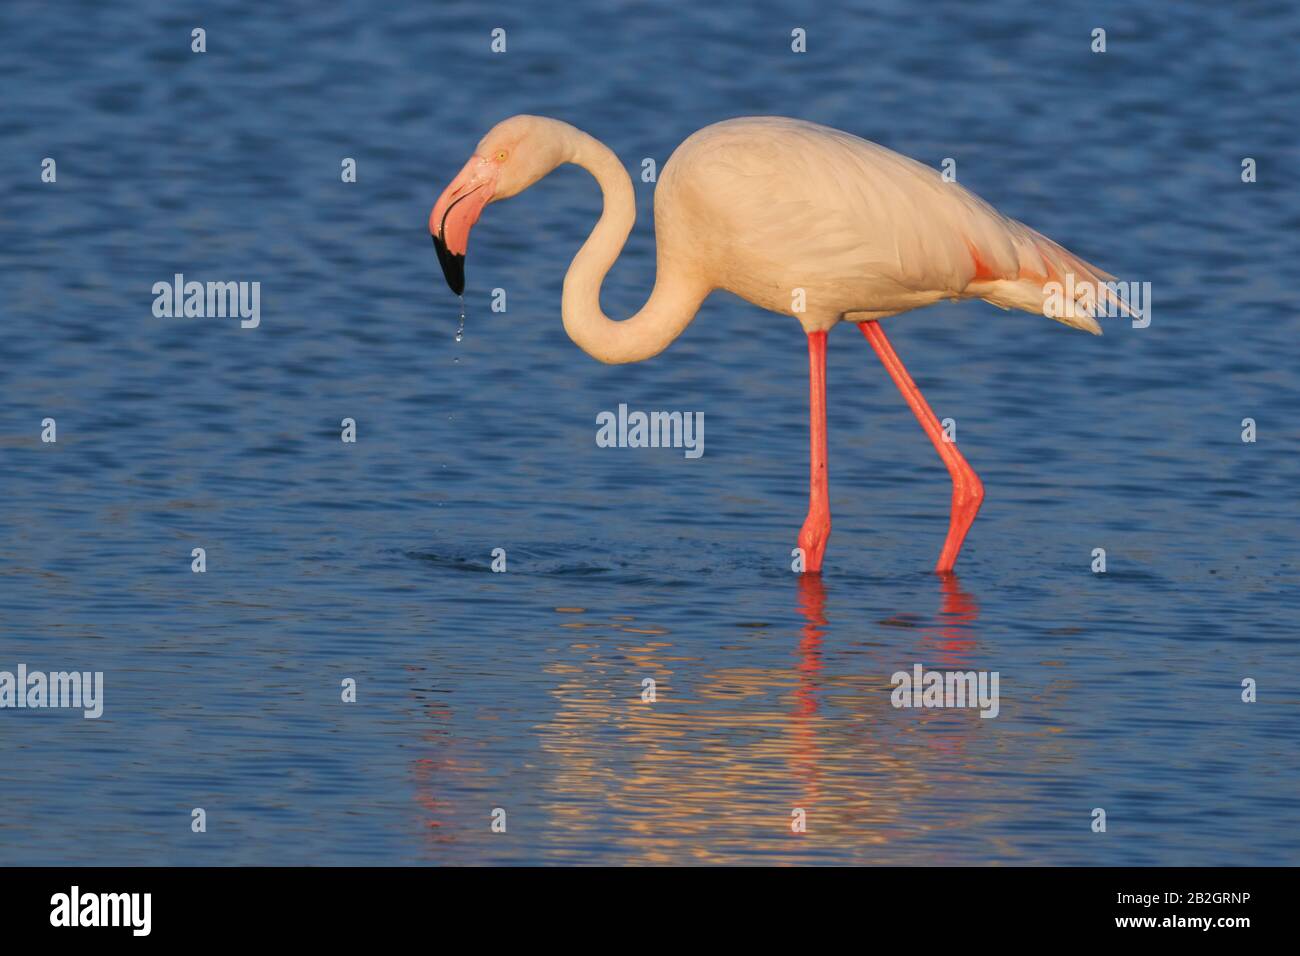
<point x="799" y="219"/>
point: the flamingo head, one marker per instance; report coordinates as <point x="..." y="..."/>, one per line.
<point x="515" y="153"/>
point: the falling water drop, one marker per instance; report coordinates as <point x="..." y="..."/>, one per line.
<point x="460" y="329"/>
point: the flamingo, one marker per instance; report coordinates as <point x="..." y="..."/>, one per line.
<point x="799" y="219"/>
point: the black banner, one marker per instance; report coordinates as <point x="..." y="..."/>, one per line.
<point x="367" y="905"/>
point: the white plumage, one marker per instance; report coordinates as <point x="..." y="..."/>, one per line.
<point x="762" y="207"/>
<point x="866" y="232"/>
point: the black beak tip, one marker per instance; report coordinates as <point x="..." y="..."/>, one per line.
<point x="453" y="266"/>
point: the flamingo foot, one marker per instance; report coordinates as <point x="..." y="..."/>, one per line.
<point x="967" y="496"/>
<point x="813" y="536"/>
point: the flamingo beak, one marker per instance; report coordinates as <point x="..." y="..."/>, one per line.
<point x="455" y="213"/>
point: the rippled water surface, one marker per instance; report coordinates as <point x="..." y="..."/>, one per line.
<point x="522" y="690"/>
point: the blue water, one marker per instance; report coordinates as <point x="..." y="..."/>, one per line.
<point x="521" y="691"/>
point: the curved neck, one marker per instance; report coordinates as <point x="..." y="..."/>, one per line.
<point x="676" y="296"/>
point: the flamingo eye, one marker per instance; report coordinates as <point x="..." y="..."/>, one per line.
<point x="501" y="156"/>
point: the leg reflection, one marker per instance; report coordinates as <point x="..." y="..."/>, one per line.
<point x="803" y="722"/>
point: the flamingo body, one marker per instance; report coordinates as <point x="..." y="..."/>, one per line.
<point x="765" y="205"/>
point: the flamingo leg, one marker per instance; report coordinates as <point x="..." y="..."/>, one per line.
<point x="817" y="526"/>
<point x="967" y="489"/>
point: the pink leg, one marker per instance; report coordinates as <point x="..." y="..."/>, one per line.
<point x="817" y="526"/>
<point x="967" y="489"/>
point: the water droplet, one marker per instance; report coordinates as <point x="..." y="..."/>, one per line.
<point x="460" y="330"/>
